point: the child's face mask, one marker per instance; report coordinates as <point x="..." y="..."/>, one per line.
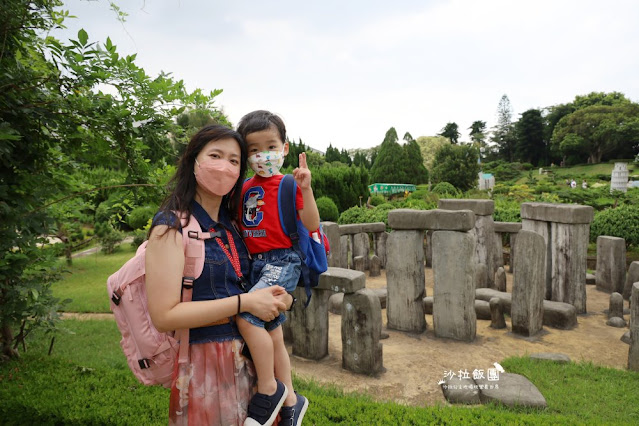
<point x="267" y="163"/>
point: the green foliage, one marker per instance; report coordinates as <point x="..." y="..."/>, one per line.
<point x="622" y="222"/>
<point x="502" y="170"/>
<point x="457" y="165"/>
<point x="506" y="210"/>
<point x="389" y="163"/>
<point x="445" y="189"/>
<point x="343" y="184"/>
<point x="376" y="200"/>
<point x="451" y="131"/>
<point x="140" y="216"/>
<point x="88" y="363"/>
<point x="429" y="145"/>
<point x="327" y="209"/>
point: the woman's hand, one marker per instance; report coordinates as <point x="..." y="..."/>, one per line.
<point x="266" y="303"/>
<point x="286" y="299"/>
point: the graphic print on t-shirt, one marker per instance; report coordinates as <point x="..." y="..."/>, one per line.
<point x="253" y="201"/>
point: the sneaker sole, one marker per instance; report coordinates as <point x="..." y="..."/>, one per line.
<point x="269" y="422"/>
<point x="302" y="412"/>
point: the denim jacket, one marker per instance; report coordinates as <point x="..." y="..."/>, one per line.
<point x="218" y="279"/>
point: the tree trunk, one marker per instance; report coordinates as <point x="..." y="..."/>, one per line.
<point x="7" y="338"/>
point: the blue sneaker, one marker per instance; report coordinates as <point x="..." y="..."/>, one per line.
<point x="292" y="416"/>
<point x="263" y="409"/>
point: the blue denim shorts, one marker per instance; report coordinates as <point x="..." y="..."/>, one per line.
<point x="276" y="267"/>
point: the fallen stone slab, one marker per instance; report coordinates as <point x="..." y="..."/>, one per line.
<point x="551" y="356"/>
<point x="482" y="308"/>
<point x="591" y="279"/>
<point x="558" y="315"/>
<point x="457" y="391"/>
<point x="511" y="390"/>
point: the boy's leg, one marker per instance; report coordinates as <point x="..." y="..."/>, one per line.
<point x="261" y="346"/>
<point x="282" y="364"/>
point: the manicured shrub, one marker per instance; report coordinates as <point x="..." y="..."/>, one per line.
<point x="445" y="188"/>
<point x="139" y="216"/>
<point x="622" y="222"/>
<point x="327" y="209"/>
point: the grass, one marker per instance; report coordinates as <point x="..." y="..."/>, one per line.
<point x="86" y="381"/>
<point x="85" y="283"/>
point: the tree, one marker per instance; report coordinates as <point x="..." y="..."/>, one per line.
<point x="332" y="154"/>
<point x="504" y="134"/>
<point x="531" y="146"/>
<point x="429" y="145"/>
<point x="451" y="131"/>
<point x="457" y="165"/>
<point x="415" y="170"/>
<point x="597" y="131"/>
<point x="390" y="161"/>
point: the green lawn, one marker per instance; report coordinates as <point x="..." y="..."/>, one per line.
<point x="86" y="381"/>
<point x="85" y="283"/>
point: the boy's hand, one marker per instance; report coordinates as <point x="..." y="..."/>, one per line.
<point x="302" y="174"/>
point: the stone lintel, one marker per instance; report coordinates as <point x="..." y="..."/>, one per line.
<point x="356" y="228"/>
<point x="436" y="220"/>
<point x="340" y="280"/>
<point x="508" y="227"/>
<point x="479" y="207"/>
<point x="561" y="213"/>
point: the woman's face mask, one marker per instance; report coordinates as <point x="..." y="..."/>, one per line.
<point x="216" y="176"/>
<point x="267" y="163"/>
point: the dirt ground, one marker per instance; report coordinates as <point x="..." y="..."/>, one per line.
<point x="415" y="362"/>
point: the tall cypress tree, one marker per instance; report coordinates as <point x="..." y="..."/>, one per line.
<point x="389" y="163"/>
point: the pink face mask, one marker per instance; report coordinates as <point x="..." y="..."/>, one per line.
<point x="216" y="176"/>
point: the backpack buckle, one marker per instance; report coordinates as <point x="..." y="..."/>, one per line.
<point x="116" y="297"/>
<point x="144" y="363"/>
<point x="187" y="283"/>
<point x="193" y="234"/>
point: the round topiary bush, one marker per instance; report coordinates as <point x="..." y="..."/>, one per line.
<point x="376" y="200"/>
<point x="327" y="209"/>
<point x="445" y="188"/>
<point x="139" y="216"/>
<point x="622" y="222"/>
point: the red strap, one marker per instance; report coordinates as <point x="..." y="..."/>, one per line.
<point x="233" y="257"/>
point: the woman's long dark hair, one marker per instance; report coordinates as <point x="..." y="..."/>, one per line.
<point x="183" y="183"/>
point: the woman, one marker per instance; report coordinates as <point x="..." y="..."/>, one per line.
<point x="217" y="384"/>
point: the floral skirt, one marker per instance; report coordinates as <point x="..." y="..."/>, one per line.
<point x="214" y="388"/>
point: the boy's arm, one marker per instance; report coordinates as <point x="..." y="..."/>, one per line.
<point x="309" y="214"/>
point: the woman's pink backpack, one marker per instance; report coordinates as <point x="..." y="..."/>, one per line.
<point x="151" y="355"/>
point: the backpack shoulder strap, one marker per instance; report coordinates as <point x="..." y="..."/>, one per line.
<point x="287" y="208"/>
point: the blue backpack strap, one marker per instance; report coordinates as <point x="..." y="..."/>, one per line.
<point x="286" y="195"/>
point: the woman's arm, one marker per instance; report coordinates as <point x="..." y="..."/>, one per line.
<point x="164" y="266"/>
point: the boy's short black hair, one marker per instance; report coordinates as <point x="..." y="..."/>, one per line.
<point x="259" y="120"/>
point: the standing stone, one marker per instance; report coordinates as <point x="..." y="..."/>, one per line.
<point x="569" y="256"/>
<point x="611" y="264"/>
<point x="500" y="279"/>
<point x="543" y="229"/>
<point x="633" y="352"/>
<point x="359" y="263"/>
<point x="566" y="230"/>
<point x="381" y="248"/>
<point x="309" y="326"/>
<point x="496" y="314"/>
<point x="481" y="275"/>
<point x="512" y="241"/>
<point x="344" y="241"/>
<point x="484" y="231"/>
<point x="361" y="247"/>
<point x="375" y="266"/>
<point x="527" y="309"/>
<point x="631" y="277"/>
<point x="616" y="306"/>
<point x="454" y="294"/>
<point x="406" y="281"/>
<point x="428" y="248"/>
<point x="499" y="250"/>
<point x="331" y="230"/>
<point x="361" y="331"/>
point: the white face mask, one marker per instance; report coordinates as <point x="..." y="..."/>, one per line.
<point x="267" y="163"/>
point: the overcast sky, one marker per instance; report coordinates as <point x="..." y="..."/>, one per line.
<point x="344" y="72"/>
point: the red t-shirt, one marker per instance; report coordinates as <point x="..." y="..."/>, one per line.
<point x="260" y="218"/>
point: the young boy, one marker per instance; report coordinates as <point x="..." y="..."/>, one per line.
<point x="274" y="262"/>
